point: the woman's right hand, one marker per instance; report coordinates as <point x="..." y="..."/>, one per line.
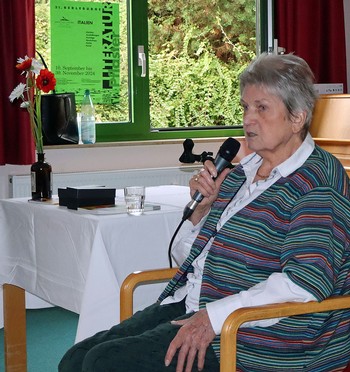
<point x="208" y="186"/>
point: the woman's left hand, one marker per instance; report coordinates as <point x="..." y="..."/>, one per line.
<point x="194" y="337"/>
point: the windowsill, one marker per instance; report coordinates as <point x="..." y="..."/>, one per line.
<point x="137" y="143"/>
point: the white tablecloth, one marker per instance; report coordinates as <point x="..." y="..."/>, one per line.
<point x="78" y="260"/>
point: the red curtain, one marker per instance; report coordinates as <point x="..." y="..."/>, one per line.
<point x="17" y="39"/>
<point x="314" y="30"/>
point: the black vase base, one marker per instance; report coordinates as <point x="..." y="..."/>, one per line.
<point x="52" y="201"/>
<point x="41" y="199"/>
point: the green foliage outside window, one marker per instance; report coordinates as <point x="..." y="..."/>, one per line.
<point x="197" y="51"/>
<point x="188" y="92"/>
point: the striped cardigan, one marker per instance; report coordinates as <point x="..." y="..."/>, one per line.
<point x="300" y="226"/>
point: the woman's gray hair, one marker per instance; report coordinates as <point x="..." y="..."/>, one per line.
<point x="286" y="76"/>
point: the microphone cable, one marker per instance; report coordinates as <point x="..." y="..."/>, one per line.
<point x="228" y="150"/>
<point x="172" y="241"/>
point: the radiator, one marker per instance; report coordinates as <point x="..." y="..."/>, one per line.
<point x="20" y="185"/>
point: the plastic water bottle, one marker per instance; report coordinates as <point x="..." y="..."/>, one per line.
<point x="87" y="119"/>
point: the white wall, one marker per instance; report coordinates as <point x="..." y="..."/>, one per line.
<point x="116" y="156"/>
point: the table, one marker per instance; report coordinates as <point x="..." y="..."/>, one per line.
<point x="78" y="260"/>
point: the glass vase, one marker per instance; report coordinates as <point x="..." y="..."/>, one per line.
<point x="41" y="179"/>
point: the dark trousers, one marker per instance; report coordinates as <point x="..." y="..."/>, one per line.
<point x="137" y="344"/>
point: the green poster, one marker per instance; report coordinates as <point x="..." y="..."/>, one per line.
<point x="85" y="48"/>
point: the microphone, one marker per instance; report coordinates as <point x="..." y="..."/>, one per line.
<point x="225" y="155"/>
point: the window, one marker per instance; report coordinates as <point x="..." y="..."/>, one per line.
<point x="193" y="56"/>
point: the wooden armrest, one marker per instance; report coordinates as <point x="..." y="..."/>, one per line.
<point x="228" y="341"/>
<point x="133" y="280"/>
<point x="230" y="328"/>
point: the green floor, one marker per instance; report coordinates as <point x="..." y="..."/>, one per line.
<point x="50" y="332"/>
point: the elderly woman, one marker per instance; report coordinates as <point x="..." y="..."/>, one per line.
<point x="274" y="229"/>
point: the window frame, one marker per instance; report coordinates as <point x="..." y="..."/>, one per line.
<point x="138" y="128"/>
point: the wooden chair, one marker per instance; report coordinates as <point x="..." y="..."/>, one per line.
<point x="235" y="319"/>
<point x="330" y="126"/>
<point x="331" y="117"/>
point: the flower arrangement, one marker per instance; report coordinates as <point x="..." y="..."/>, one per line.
<point x="38" y="80"/>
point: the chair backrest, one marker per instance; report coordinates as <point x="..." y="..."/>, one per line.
<point x="330" y="126"/>
<point x="331" y="117"/>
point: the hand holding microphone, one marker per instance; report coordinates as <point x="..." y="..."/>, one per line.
<point x="226" y="153"/>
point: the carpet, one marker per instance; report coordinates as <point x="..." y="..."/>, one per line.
<point x="50" y="332"/>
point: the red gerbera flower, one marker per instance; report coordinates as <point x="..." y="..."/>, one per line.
<point x="25" y="65"/>
<point x="38" y="80"/>
<point x="46" y="81"/>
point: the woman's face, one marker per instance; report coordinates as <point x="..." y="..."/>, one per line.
<point x="268" y="129"/>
